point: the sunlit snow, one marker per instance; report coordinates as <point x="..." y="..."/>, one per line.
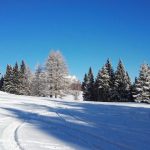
<point x="33" y="123"/>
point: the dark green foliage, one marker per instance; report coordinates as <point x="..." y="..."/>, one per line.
<point x="84" y="83"/>
<point x="16" y="80"/>
<point x="22" y="68"/>
<point x="112" y="77"/>
<point x="8" y="80"/>
<point x="84" y="86"/>
<point x="130" y="86"/>
<point x="22" y="88"/>
<point x="104" y="83"/>
<point x="1" y="83"/>
<point x="98" y="93"/>
<point x="12" y="80"/>
<point x="88" y="87"/>
<point x="122" y="85"/>
<point x="109" y="86"/>
<point x="141" y="90"/>
<point x="133" y="89"/>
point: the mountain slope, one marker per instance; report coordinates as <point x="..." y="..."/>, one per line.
<point x="33" y="123"/>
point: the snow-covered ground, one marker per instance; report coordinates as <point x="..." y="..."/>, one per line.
<point x="32" y="123"/>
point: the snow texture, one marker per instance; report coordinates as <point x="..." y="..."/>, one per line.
<point x="34" y="123"/>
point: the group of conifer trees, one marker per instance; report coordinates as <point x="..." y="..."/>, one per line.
<point x="51" y="80"/>
<point x="16" y="79"/>
<point x="110" y="85"/>
<point x="47" y="80"/>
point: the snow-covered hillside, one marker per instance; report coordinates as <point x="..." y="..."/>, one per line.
<point x="32" y="123"/>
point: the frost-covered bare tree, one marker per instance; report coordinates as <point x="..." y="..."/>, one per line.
<point x="57" y="71"/>
<point x="43" y="83"/>
<point x="26" y="79"/>
<point x="75" y="88"/>
<point x="39" y="82"/>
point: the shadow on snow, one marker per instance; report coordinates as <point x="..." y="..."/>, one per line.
<point x="90" y="126"/>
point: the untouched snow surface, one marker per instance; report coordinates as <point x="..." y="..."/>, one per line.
<point x="32" y="123"/>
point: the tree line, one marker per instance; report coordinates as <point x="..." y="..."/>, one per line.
<point x="48" y="80"/>
<point x="116" y="86"/>
<point x="51" y="79"/>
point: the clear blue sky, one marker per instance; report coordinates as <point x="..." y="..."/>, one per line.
<point x="86" y="31"/>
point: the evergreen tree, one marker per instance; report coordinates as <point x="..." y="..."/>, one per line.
<point x="84" y="86"/>
<point x="22" y="67"/>
<point x="25" y="79"/>
<point x="133" y="88"/>
<point x="129" y="88"/>
<point x="84" y="82"/>
<point x="89" y="94"/>
<point x="8" y="80"/>
<point x="110" y="69"/>
<point x="104" y="83"/>
<point x="111" y="77"/>
<point x="1" y="83"/>
<point x="16" y="80"/>
<point x="142" y="85"/>
<point x="97" y="91"/>
<point x="22" y="78"/>
<point x="122" y="89"/>
<point x="56" y="70"/>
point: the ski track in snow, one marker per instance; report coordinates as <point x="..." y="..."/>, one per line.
<point x="33" y="123"/>
<point x="120" y="145"/>
<point x="9" y="137"/>
<point x="90" y="134"/>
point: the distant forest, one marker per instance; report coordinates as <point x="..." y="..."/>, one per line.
<point x="53" y="80"/>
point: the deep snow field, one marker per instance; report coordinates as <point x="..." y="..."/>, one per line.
<point x="33" y="123"/>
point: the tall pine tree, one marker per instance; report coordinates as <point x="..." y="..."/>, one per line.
<point x="16" y="80"/>
<point x="88" y="93"/>
<point x="111" y="73"/>
<point x="8" y="80"/>
<point x="22" y="78"/>
<point x="97" y="91"/>
<point x="142" y="85"/>
<point x="133" y="88"/>
<point x="1" y="83"/>
<point x="84" y="86"/>
<point x="104" y="83"/>
<point x="122" y="88"/>
<point x="25" y="79"/>
<point x="129" y="88"/>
